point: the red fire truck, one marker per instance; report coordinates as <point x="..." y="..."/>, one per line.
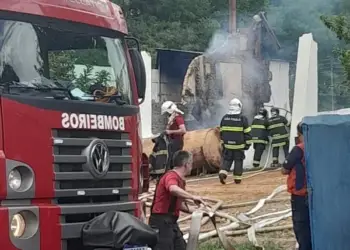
<point x="65" y="157"/>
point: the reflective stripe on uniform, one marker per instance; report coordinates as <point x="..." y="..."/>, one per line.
<point x="247" y="130"/>
<point x="278" y="136"/>
<point x="278" y="144"/>
<point x="230" y="146"/>
<point x="237" y="177"/>
<point x="258" y="141"/>
<point x="249" y="141"/>
<point x="231" y="129"/>
<point x="160" y="152"/>
<point x="274" y="158"/>
<point x="223" y="172"/>
<point x="277" y="125"/>
<point x="259" y="126"/>
<point x="256" y="162"/>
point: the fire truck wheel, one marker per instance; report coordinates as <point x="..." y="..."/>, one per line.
<point x="141" y="180"/>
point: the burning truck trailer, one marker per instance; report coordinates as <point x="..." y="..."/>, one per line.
<point x="236" y="66"/>
<point x="67" y="154"/>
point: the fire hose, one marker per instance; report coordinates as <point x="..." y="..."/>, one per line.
<point x="195" y="228"/>
<point x="196" y="222"/>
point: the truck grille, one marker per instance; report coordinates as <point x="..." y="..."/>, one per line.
<point x="80" y="196"/>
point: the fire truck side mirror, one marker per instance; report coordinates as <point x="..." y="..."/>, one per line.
<point x="139" y="71"/>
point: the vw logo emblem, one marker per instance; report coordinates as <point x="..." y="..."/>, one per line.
<point x="97" y="162"/>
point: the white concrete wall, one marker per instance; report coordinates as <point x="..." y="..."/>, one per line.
<point x="231" y="74"/>
<point x="155" y="85"/>
<point x="280" y="86"/>
<point x="146" y="106"/>
<point x="279" y="98"/>
<point x="306" y="83"/>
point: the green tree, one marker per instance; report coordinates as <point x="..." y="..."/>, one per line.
<point x="340" y="24"/>
<point x="62" y="66"/>
<point x="102" y="77"/>
<point x="291" y="19"/>
<point x="84" y="81"/>
<point x="180" y="24"/>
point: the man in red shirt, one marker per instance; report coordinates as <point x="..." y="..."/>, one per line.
<point x="175" y="129"/>
<point x="169" y="199"/>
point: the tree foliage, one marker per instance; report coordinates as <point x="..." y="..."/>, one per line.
<point x="62" y="67"/>
<point x="190" y="25"/>
<point x="340" y="25"/>
<point x="180" y="24"/>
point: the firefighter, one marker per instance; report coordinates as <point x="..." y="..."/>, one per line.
<point x="175" y="129"/>
<point x="169" y="199"/>
<point x="235" y="135"/>
<point x="159" y="157"/>
<point x="294" y="167"/>
<point x="259" y="135"/>
<point x="279" y="135"/>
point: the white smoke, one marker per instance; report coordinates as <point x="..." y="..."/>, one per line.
<point x="222" y="45"/>
<point x="229" y="48"/>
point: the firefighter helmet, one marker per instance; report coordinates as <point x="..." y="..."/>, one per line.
<point x="235" y="106"/>
<point x="275" y="111"/>
<point x="169" y="107"/>
<point x="263" y="112"/>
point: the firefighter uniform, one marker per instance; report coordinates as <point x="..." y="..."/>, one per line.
<point x="259" y="135"/>
<point x="235" y="134"/>
<point x="279" y="134"/>
<point x="159" y="157"/>
<point x="175" y="121"/>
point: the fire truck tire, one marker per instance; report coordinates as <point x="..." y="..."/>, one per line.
<point x="144" y="174"/>
<point x="141" y="181"/>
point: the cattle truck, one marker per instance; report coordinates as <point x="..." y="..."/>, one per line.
<point x="66" y="154"/>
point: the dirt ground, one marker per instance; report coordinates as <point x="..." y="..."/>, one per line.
<point x="251" y="189"/>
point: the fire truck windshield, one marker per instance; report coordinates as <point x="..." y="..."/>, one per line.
<point x="87" y="64"/>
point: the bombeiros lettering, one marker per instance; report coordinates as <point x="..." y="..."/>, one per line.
<point x="92" y="121"/>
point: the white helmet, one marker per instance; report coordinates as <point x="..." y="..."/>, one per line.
<point x="235" y="107"/>
<point x="169" y="107"/>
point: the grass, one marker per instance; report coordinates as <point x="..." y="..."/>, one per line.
<point x="215" y="245"/>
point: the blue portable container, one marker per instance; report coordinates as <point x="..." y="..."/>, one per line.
<point x="327" y="155"/>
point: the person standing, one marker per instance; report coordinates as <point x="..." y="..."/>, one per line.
<point x="259" y="135"/>
<point x="235" y="136"/>
<point x="294" y="166"/>
<point x="279" y="135"/>
<point x="169" y="199"/>
<point x="175" y="129"/>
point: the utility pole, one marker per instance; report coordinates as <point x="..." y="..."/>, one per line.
<point x="233" y="16"/>
<point x="332" y="83"/>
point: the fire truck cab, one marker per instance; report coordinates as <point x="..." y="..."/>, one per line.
<point x="66" y="154"/>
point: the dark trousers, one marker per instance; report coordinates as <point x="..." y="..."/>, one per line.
<point x="170" y="235"/>
<point x="258" y="151"/>
<point x="230" y="156"/>
<point x="276" y="152"/>
<point x="174" y="146"/>
<point x="301" y="221"/>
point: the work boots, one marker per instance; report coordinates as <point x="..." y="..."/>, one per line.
<point x="223" y="176"/>
<point x="275" y="165"/>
